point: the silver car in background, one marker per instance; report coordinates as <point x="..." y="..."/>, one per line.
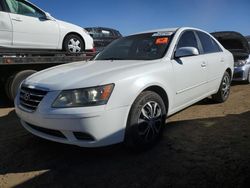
<point x="238" y="45"/>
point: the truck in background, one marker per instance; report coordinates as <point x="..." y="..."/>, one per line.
<point x="16" y="65"/>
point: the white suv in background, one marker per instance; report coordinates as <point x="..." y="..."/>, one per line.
<point x="126" y="92"/>
<point x="25" y="26"/>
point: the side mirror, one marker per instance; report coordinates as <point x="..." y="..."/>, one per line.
<point x="48" y="16"/>
<point x="186" y="51"/>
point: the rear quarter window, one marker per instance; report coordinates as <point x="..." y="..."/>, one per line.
<point x="208" y="44"/>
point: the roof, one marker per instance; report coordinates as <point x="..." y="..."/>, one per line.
<point x="168" y="30"/>
<point x="161" y="30"/>
<point x="158" y="30"/>
<point x="107" y="28"/>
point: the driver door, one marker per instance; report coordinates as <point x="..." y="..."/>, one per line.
<point x="31" y="29"/>
<point x="190" y="72"/>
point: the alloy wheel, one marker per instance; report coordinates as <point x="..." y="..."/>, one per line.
<point x="74" y="45"/>
<point x="150" y="121"/>
<point x="225" y="86"/>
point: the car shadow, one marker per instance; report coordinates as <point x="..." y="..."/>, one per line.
<point x="200" y="152"/>
<point x="4" y="101"/>
<point x="235" y="83"/>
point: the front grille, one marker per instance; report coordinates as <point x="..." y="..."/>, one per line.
<point x="30" y="98"/>
<point x="238" y="75"/>
<point x="50" y="132"/>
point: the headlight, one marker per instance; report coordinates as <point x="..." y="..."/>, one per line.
<point x="240" y="63"/>
<point x="84" y="97"/>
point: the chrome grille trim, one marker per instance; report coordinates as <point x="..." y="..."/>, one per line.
<point x="31" y="97"/>
<point x="31" y="100"/>
<point x="32" y="94"/>
<point x="25" y="104"/>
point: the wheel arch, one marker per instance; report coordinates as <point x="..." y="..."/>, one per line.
<point x="73" y="33"/>
<point x="230" y="72"/>
<point x="161" y="92"/>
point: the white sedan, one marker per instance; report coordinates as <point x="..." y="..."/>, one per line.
<point x="127" y="91"/>
<point x="25" y="26"/>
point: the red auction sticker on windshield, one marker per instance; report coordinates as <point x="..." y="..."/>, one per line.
<point x="163" y="40"/>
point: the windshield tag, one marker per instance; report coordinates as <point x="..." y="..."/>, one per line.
<point x="160" y="34"/>
<point x="162" y="40"/>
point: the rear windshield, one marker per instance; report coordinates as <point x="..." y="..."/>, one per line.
<point x="147" y="46"/>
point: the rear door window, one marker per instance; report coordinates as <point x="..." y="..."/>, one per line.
<point x="208" y="44"/>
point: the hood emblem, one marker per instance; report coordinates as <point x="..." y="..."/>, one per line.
<point x="26" y="96"/>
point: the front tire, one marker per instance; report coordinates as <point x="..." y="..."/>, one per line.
<point x="73" y="44"/>
<point x="145" y="122"/>
<point x="224" y="90"/>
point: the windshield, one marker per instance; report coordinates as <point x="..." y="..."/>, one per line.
<point x="147" y="46"/>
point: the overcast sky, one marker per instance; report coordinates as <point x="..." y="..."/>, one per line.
<point x="130" y="16"/>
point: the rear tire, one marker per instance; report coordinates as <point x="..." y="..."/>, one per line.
<point x="145" y="122"/>
<point x="17" y="80"/>
<point x="73" y="44"/>
<point x="224" y="90"/>
<point x="8" y="86"/>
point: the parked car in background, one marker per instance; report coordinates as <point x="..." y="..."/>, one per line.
<point x="126" y="92"/>
<point x="248" y="39"/>
<point x="238" y="45"/>
<point x="103" y="36"/>
<point x="25" y="26"/>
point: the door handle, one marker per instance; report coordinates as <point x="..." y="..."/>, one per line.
<point x="203" y="64"/>
<point x="17" y="19"/>
<point x="222" y="60"/>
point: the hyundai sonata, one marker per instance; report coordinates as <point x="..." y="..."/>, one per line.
<point x="126" y="92"/>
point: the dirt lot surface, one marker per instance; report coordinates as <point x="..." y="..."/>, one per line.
<point x="206" y="145"/>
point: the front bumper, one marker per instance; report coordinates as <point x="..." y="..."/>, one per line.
<point x="83" y="126"/>
<point x="241" y="73"/>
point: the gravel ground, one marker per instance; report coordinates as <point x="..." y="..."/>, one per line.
<point x="206" y="145"/>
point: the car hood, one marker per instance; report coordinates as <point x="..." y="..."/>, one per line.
<point x="83" y="74"/>
<point x="234" y="42"/>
